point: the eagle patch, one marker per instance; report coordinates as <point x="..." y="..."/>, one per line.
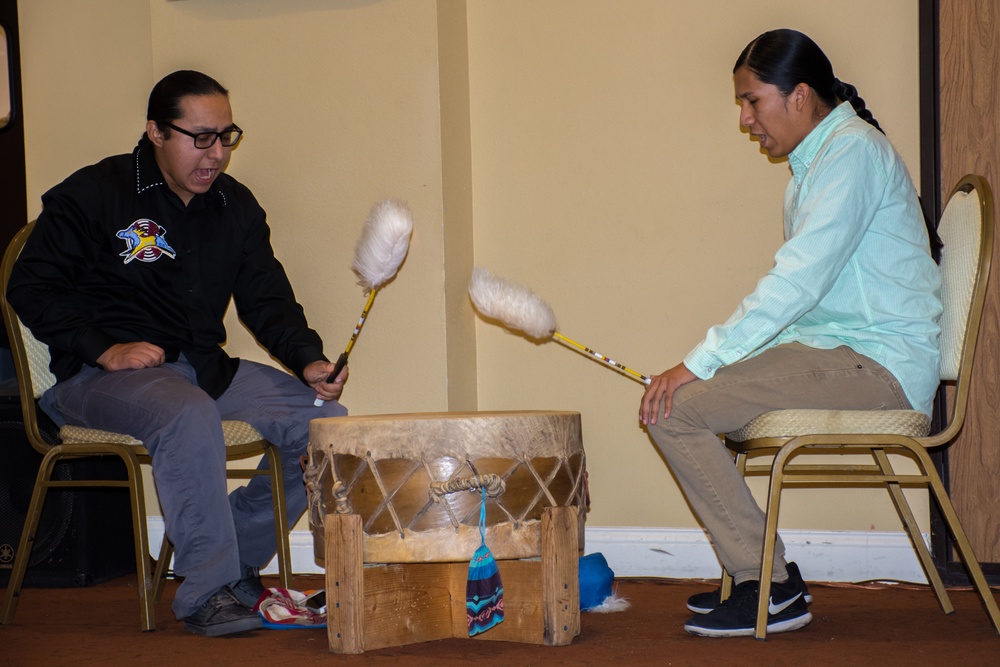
<point x="145" y="242"/>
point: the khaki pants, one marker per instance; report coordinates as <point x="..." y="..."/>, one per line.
<point x="784" y="377"/>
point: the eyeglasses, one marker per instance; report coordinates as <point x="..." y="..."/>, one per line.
<point x="204" y="140"/>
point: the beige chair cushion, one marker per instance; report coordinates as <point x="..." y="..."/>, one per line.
<point x="789" y="423"/>
<point x="235" y="432"/>
<point x="38" y="361"/>
<point x="960" y="230"/>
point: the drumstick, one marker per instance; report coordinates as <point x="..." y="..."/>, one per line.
<point x="521" y="309"/>
<point x="611" y="362"/>
<point x="342" y="359"/>
<point x="383" y="245"/>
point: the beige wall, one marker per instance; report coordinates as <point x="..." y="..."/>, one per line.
<point x="610" y="176"/>
<point x="586" y="149"/>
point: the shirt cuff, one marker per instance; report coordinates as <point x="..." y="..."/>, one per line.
<point x="702" y="363"/>
<point x="92" y="343"/>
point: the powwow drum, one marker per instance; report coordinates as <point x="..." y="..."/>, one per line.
<point x="416" y="481"/>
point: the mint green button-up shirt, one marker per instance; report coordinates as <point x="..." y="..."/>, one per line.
<point x="854" y="270"/>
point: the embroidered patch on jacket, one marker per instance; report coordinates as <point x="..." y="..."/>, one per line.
<point x="145" y="242"/>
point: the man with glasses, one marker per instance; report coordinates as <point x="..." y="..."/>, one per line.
<point x="127" y="277"/>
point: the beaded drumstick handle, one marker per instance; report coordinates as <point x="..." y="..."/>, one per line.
<point x="597" y="355"/>
<point x="342" y="359"/>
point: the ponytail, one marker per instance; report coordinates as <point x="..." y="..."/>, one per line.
<point x="785" y="58"/>
<point x="849" y="93"/>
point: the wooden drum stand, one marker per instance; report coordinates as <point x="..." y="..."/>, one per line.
<point x="397" y="555"/>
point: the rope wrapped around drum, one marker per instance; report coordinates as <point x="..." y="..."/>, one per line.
<point x="492" y="484"/>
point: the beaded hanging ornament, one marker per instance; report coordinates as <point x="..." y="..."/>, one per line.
<point x="484" y="589"/>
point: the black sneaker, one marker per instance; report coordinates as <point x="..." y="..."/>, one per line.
<point x="222" y="615"/>
<point x="248" y="590"/>
<point x="702" y="603"/>
<point x="737" y="615"/>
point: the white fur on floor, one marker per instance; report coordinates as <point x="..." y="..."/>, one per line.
<point x="611" y="604"/>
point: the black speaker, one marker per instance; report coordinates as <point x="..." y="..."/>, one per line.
<point x="84" y="535"/>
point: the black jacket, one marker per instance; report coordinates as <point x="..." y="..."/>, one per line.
<point x="116" y="257"/>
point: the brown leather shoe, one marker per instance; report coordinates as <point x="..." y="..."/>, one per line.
<point x="222" y="614"/>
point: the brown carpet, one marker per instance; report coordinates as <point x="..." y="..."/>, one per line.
<point x="853" y="625"/>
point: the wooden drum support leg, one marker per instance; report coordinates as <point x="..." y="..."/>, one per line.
<point x="345" y="584"/>
<point x="560" y="576"/>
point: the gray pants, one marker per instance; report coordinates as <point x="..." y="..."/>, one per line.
<point x="212" y="531"/>
<point x="784" y="377"/>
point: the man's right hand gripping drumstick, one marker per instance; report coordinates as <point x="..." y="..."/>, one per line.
<point x="316" y="375"/>
<point x="661" y="388"/>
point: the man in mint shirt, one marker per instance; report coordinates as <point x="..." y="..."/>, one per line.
<point x="846" y="319"/>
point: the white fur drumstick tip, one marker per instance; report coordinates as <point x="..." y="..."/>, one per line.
<point x="383" y="245"/>
<point x="521" y="309"/>
<point x="517" y="307"/>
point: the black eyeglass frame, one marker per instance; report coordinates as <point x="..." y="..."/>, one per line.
<point x="216" y="136"/>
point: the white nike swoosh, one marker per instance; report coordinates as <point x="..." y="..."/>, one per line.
<point x="778" y="608"/>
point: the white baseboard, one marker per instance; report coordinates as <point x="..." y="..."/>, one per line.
<point x="679" y="553"/>
<point x="300" y="543"/>
<point x="845" y="556"/>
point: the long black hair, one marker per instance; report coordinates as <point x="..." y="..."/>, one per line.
<point x="785" y="58"/>
<point x="165" y="98"/>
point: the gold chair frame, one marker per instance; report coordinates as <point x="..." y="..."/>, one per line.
<point x="788" y="434"/>
<point x="31" y="359"/>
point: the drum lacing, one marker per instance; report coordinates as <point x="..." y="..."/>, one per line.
<point x="313" y="478"/>
<point x="492" y="484"/>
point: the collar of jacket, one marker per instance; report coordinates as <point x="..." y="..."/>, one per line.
<point x="148" y="175"/>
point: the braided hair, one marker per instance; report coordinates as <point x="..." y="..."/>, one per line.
<point x="785" y="58"/>
<point x="849" y="93"/>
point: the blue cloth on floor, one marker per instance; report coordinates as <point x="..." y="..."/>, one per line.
<point x="595" y="580"/>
